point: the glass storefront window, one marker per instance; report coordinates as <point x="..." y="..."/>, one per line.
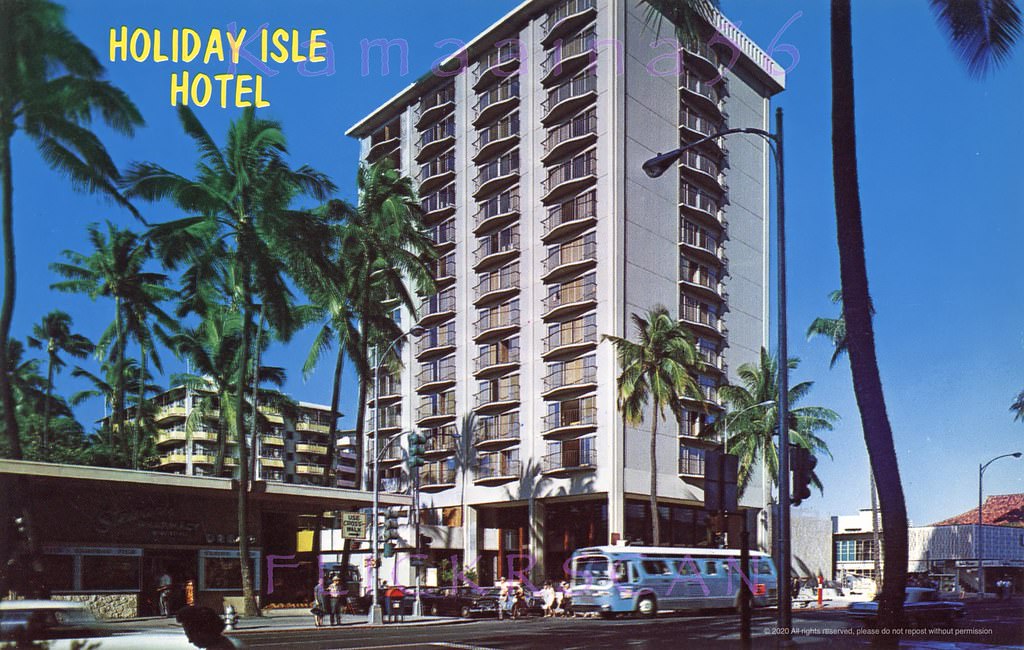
<point x="110" y="573"/>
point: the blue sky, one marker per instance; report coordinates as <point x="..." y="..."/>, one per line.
<point x="940" y="184"/>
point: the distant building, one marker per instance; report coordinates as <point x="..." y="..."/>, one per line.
<point x="853" y="542"/>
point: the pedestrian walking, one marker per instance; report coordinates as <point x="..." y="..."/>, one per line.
<point x="163" y="587"/>
<point x="565" y="604"/>
<point x="335" y="599"/>
<point x="547" y="596"/>
<point x="504" y="599"/>
<point x="319" y="603"/>
<point x="518" y="602"/>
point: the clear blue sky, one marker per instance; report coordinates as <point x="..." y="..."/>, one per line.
<point x="940" y="181"/>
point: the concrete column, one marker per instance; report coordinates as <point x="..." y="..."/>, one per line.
<point x="536" y="524"/>
<point x="470" y="535"/>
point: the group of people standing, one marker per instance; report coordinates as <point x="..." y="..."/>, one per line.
<point x="513" y="603"/>
<point x="328" y="600"/>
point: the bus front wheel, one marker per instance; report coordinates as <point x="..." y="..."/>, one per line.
<point x="647" y="607"/>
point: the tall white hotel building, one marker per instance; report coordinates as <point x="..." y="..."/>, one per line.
<point x="527" y="149"/>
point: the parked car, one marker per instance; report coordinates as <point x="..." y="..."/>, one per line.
<point x="921" y="606"/>
<point x="65" y="625"/>
<point x="461" y="601"/>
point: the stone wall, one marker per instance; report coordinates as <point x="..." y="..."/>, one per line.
<point x="107" y="606"/>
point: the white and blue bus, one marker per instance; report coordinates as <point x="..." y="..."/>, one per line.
<point x="644" y="579"/>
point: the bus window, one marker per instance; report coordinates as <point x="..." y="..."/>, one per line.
<point x="591" y="570"/>
<point x="710" y="568"/>
<point x="688" y="567"/>
<point x="622" y="572"/>
<point x="656" y="568"/>
<point x="764" y="567"/>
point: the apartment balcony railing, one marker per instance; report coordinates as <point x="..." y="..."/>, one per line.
<point x="699" y="125"/>
<point x="709" y="96"/>
<point x="393" y="453"/>
<point x="700" y="278"/>
<point x="695" y="316"/>
<point x="497" y="64"/>
<point x="497" y="211"/>
<point x="699" y="201"/>
<point x="435" y="106"/>
<point x="436" y="139"/>
<point x="495" y="250"/>
<point x="498" y="284"/>
<point x="308" y="448"/>
<point x="436" y="340"/>
<point x="435" y="476"/>
<point x="565" y="17"/>
<point x="495" y="358"/>
<point x="569" y="97"/>
<point x="497" y="174"/>
<point x="440" y="443"/>
<point x="317" y="426"/>
<point x="570" y="136"/>
<point x="433" y="375"/>
<point x="497" y="137"/>
<point x="570" y="176"/>
<point x="437" y="307"/>
<point x="703" y="53"/>
<point x="443" y="234"/>
<point x="575" y="294"/>
<point x="442" y="408"/>
<point x="570" y="216"/>
<point x="497" y="321"/>
<point x="497" y="470"/>
<point x="389" y="420"/>
<point x="700" y="240"/>
<point x="702" y="168"/>
<point x="167" y="412"/>
<point x="496" y="431"/>
<point x="437" y="172"/>
<point x="497" y="100"/>
<point x="439" y="203"/>
<point x="712" y="359"/>
<point x="570" y="421"/>
<point x="271" y="462"/>
<point x="570" y="337"/>
<point x="691" y="462"/>
<point x="444" y="270"/>
<point x="569" y="257"/>
<point x="383" y="141"/>
<point x="502" y="395"/>
<point x="569" y="57"/>
<point x="272" y="441"/>
<point x="566" y="377"/>
<point x="567" y="460"/>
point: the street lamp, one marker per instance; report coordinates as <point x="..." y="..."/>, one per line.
<point x="978" y="543"/>
<point x="376" y="616"/>
<point x="657" y="166"/>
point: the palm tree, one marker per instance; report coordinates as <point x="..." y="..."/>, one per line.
<point x="753" y="418"/>
<point x="50" y="86"/>
<point x="54" y="334"/>
<point x="660" y="369"/>
<point x="983" y="34"/>
<point x="241" y="196"/>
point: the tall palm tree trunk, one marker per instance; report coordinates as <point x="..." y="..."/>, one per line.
<point x="257" y="347"/>
<point x="137" y="437"/>
<point x="867" y="383"/>
<point x="250" y="608"/>
<point x="7" y="307"/>
<point x="655" y="524"/>
<point x="364" y="389"/>
<point x="44" y="439"/>
<point x="327" y="480"/>
<point x="118" y="415"/>
<point x="222" y="433"/>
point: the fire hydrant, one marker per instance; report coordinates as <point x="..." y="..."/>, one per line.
<point x="230" y="618"/>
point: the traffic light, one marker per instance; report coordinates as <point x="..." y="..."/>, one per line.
<point x="803" y="463"/>
<point x="389" y="549"/>
<point x="391" y="526"/>
<point x="417" y="446"/>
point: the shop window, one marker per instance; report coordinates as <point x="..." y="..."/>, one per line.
<point x="59" y="572"/>
<point x="110" y="573"/>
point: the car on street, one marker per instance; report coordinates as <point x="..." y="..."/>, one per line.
<point x="921" y="606"/>
<point x="63" y="625"/>
<point x="460" y="601"/>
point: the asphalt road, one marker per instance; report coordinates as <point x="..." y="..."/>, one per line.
<point x="989" y="625"/>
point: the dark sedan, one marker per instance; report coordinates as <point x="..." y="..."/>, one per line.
<point x="460" y="601"/>
<point x="921" y="607"/>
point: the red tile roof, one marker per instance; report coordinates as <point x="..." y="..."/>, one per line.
<point x="998" y="510"/>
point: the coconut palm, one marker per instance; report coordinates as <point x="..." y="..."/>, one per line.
<point x="51" y="85"/>
<point x="241" y="197"/>
<point x="658" y="369"/>
<point x="753" y="418"/>
<point x="54" y="335"/>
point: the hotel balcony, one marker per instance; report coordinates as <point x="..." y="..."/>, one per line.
<point x="570" y="338"/>
<point x="495" y="286"/>
<point x="708" y="97"/>
<point x="691" y="462"/>
<point x="436" y="375"/>
<point x="577" y="295"/>
<point x="443" y="270"/>
<point x="495" y="471"/>
<point x="497" y="101"/>
<point x="497" y="174"/>
<point x="497" y="211"/>
<point x="437" y="341"/>
<point x="713" y="360"/>
<point x="272" y="441"/>
<point x="440" y="444"/>
<point x="700" y="280"/>
<point x="435" y="106"/>
<point x="443" y="235"/>
<point x="497" y="138"/>
<point x="310" y="448"/>
<point x="566" y="459"/>
<point x="496" y="361"/>
<point x="570" y="97"/>
<point x="499" y="63"/>
<point x="172" y="459"/>
<point x="169" y="412"/>
<point x="437" y="308"/>
<point x="271" y="462"/>
<point x="570" y="177"/>
<point x="316" y="427"/>
<point x="497" y="322"/>
<point x="390" y="421"/>
<point x="570" y="137"/>
<point x="309" y="469"/>
<point x="566" y="18"/>
<point x="702" y="169"/>
<point x="695" y="201"/>
<point x="703" y="320"/>
<point x="570" y="422"/>
<point x="570" y="258"/>
<point x="439" y="171"/>
<point x="570" y="217"/>
<point x="436" y="139"/>
<point x="568" y="58"/>
<point x="384" y="140"/>
<point x="392" y="454"/>
<point x="436" y="411"/>
<point x="496" y="431"/>
<point x="497" y="249"/>
<point x="501" y="394"/>
<point x="694" y="125"/>
<point x="436" y="476"/>
<point x="570" y="379"/>
<point x="439" y="205"/>
<point x="700" y="243"/>
<point x="390" y="390"/>
<point x="704" y="56"/>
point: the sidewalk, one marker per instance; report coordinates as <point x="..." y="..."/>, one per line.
<point x="280" y="620"/>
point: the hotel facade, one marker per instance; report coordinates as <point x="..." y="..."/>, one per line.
<point x="527" y="146"/>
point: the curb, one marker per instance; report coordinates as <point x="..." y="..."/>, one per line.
<point x="310" y="628"/>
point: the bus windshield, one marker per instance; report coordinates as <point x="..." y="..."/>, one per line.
<point x="590" y="570"/>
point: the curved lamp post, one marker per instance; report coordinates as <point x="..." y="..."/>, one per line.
<point x="376" y="616"/>
<point x="657" y="166"/>
<point x="978" y="543"/>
